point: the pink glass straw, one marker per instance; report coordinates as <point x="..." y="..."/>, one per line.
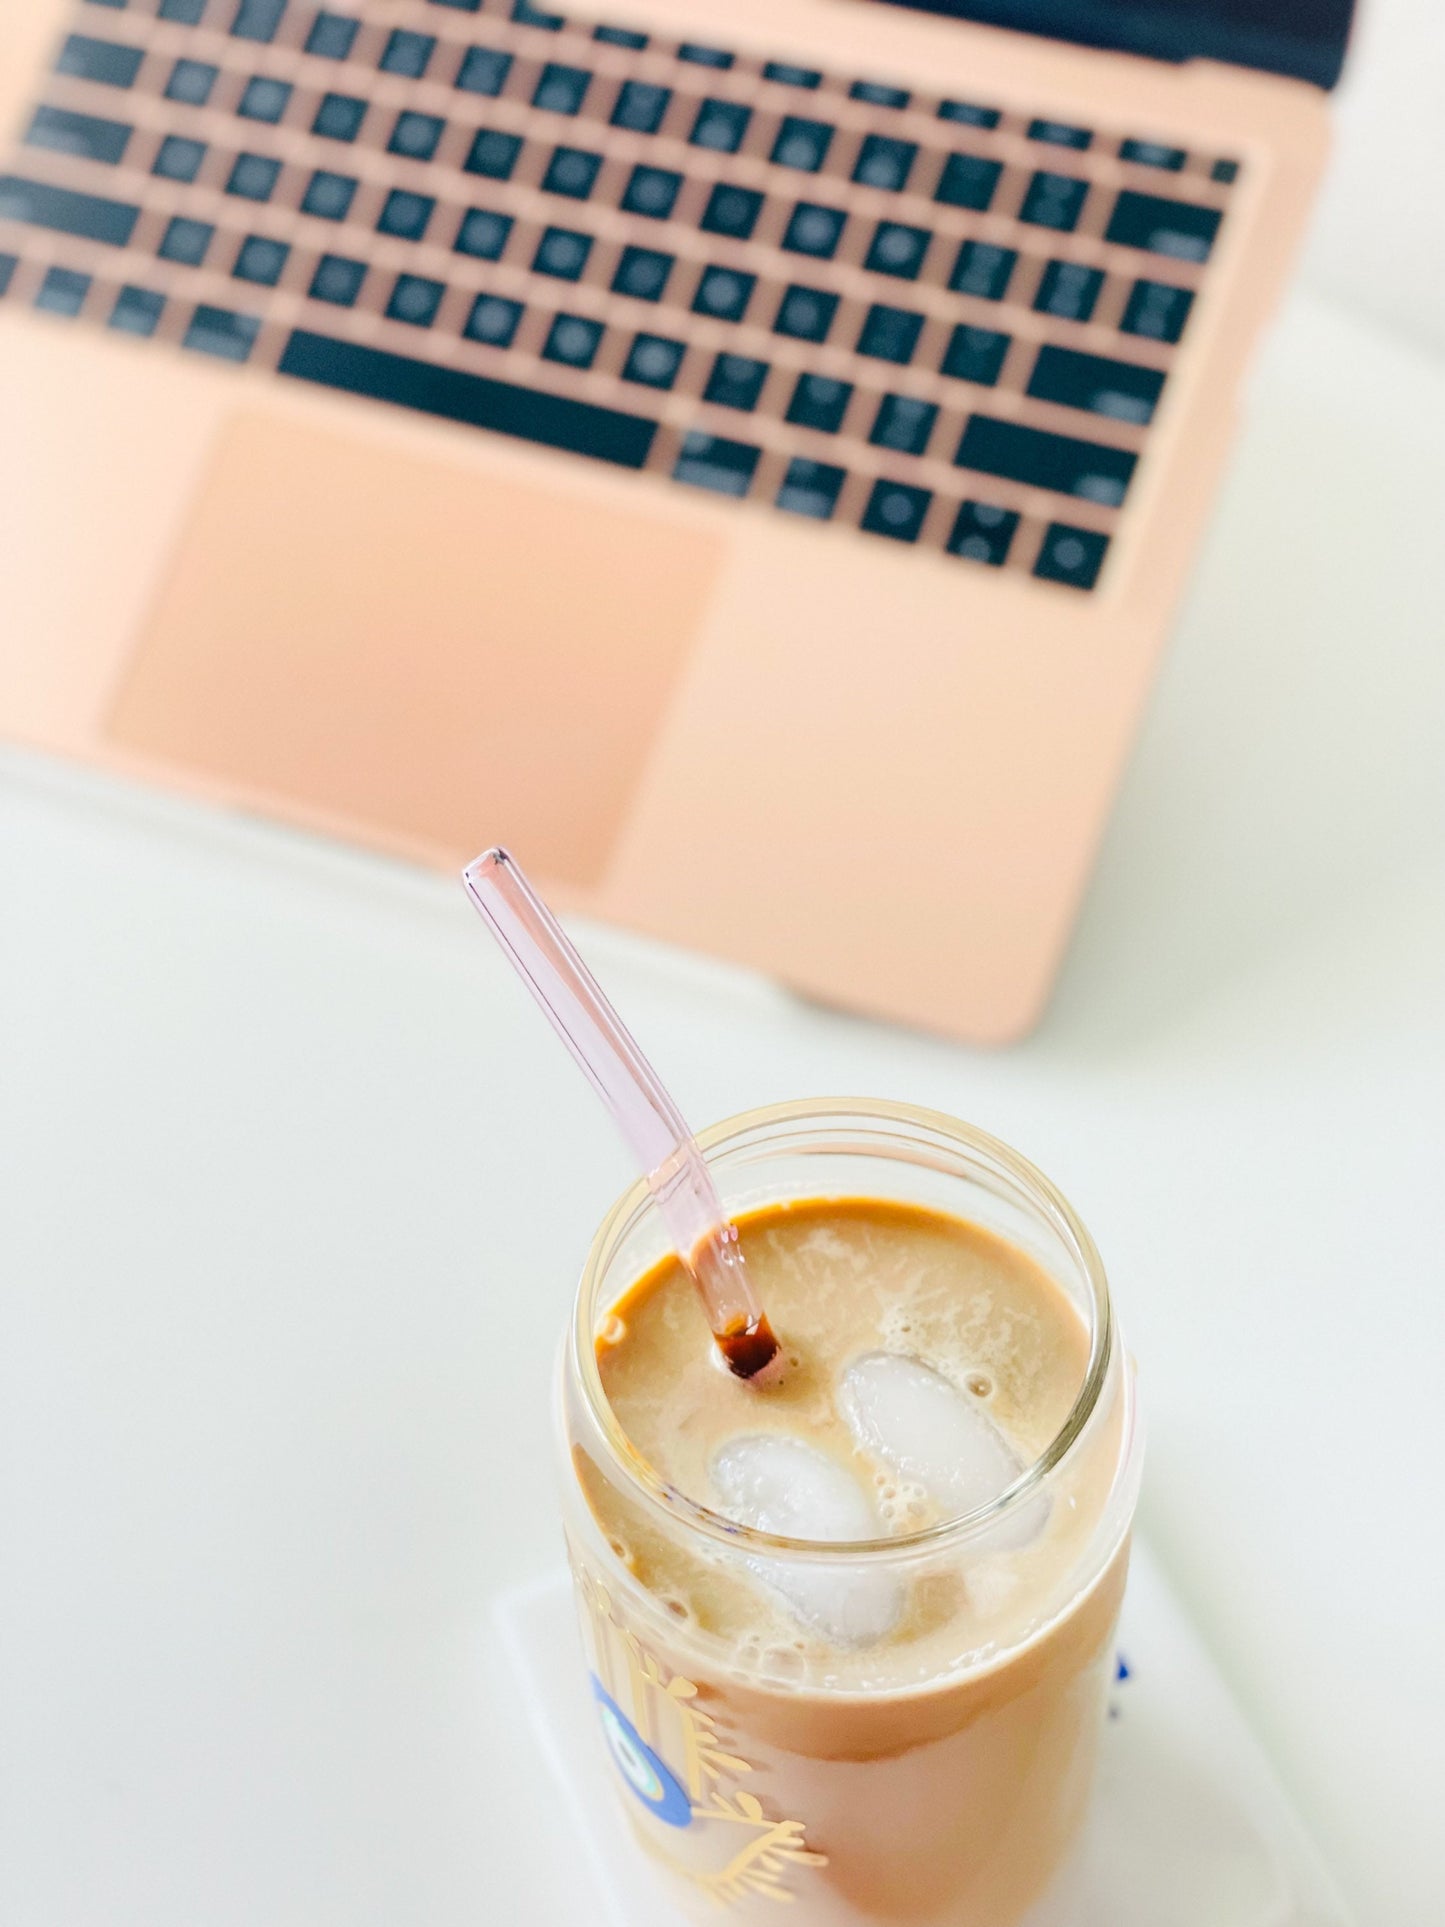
<point x="627" y="1084"/>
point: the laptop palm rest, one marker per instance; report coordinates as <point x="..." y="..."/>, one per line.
<point x="413" y="649"/>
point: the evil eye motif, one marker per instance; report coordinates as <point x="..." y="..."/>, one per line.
<point x="647" y="1775"/>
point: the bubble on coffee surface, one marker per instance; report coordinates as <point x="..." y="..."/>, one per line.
<point x="904" y="1505"/>
<point x="780" y="1484"/>
<point x="935" y="1440"/>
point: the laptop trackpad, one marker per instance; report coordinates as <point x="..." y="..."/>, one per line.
<point x="399" y="645"/>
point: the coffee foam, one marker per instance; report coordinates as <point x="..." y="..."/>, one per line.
<point x="852" y="1285"/>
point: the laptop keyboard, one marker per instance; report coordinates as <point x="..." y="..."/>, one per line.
<point x="938" y="322"/>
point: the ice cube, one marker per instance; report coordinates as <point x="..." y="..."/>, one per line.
<point x="775" y="1483"/>
<point x="927" y="1431"/>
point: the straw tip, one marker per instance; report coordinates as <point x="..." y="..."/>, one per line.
<point x="492" y="859"/>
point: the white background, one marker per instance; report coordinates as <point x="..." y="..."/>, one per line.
<point x="293" y="1188"/>
<point x="1378" y="246"/>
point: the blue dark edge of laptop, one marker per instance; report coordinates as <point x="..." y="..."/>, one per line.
<point x="1304" y="38"/>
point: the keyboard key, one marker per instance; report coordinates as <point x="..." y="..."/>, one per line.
<point x="724" y="292"/>
<point x="493" y="154"/>
<point x="1054" y="201"/>
<point x="408" y="54"/>
<point x="179" y="160"/>
<point x="185" y="13"/>
<point x="83" y="134"/>
<point x="329" y="195"/>
<point x="898" y="250"/>
<point x="494" y="320"/>
<point x="890" y="334"/>
<point x="527" y="15"/>
<point x="883" y="162"/>
<point x="1069" y="290"/>
<point x="732" y="210"/>
<point x="968" y="181"/>
<point x="8" y="264"/>
<point x="406" y="215"/>
<point x="1056" y="133"/>
<point x="1097" y="384"/>
<point x="653" y="360"/>
<point x="620" y="37"/>
<point x="983" y="532"/>
<point x="1070" y="555"/>
<point x="104" y="61"/>
<point x="820" y="402"/>
<point x="877" y="95"/>
<point x="257" y="20"/>
<point x="93" y="217"/>
<point x="220" y="332"/>
<point x="651" y="191"/>
<point x="904" y="423"/>
<point x="802" y="144"/>
<point x="705" y="56"/>
<point x="1157" y="311"/>
<point x="894" y="509"/>
<point x="260" y="259"/>
<point x="721" y="125"/>
<point x="572" y="171"/>
<point x="482" y="234"/>
<point x="62" y="292"/>
<point x="483" y="70"/>
<point x="137" y="311"/>
<point x="337" y="280"/>
<point x="791" y="76"/>
<point x="1152" y="154"/>
<point x="643" y="273"/>
<point x="1225" y="171"/>
<point x="415" y="300"/>
<point x="562" y="90"/>
<point x="191" y="82"/>
<point x="331" y="35"/>
<point x="1182" y="229"/>
<point x="814" y="230"/>
<point x="736" y="381"/>
<point x="640" y="106"/>
<point x="573" y="339"/>
<point x="708" y="461"/>
<point x="264" y="99"/>
<point x="339" y="117"/>
<point x="562" y="252"/>
<point x="805" y="313"/>
<point x="416" y="135"/>
<point x="975" y="354"/>
<point x="253" y="177"/>
<point x="811" y="488"/>
<point x="967" y="114"/>
<point x="983" y="269"/>
<point x="1042" y="460"/>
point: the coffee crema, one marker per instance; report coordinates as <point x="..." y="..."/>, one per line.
<point x="843" y="1280"/>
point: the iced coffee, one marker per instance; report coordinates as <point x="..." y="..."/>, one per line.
<point x="849" y="1631"/>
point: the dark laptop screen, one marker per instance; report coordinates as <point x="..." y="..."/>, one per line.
<point x="1305" y="38"/>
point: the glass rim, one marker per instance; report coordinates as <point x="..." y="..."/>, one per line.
<point x="644" y="1480"/>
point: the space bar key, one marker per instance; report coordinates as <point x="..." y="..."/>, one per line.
<point x="607" y="434"/>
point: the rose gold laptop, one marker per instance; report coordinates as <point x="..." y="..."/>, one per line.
<point x="743" y="454"/>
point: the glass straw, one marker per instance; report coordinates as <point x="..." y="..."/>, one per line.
<point x="648" y="1119"/>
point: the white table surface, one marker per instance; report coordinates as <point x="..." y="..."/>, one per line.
<point x="295" y="1187"/>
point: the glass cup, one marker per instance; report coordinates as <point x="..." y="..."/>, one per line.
<point x="953" y="1797"/>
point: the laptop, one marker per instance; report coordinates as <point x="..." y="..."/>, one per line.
<point x="745" y="455"/>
